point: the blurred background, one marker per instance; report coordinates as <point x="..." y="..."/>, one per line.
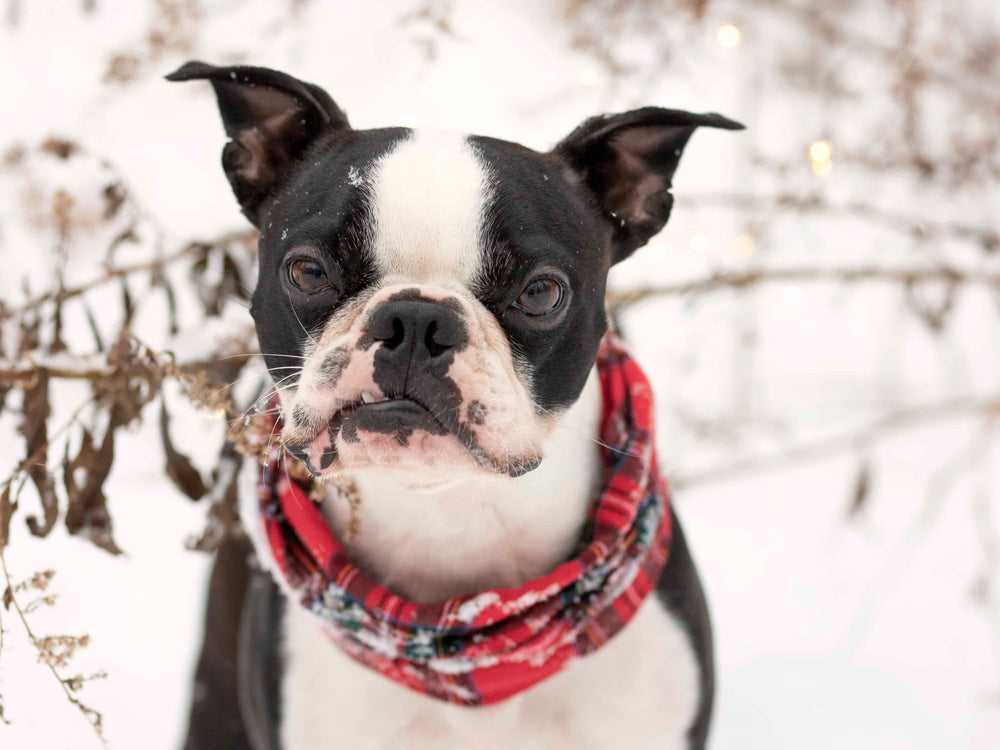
<point x="820" y="319"/>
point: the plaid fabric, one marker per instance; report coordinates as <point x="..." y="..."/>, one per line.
<point x="480" y="649"/>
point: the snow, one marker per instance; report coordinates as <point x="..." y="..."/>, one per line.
<point x="875" y="630"/>
<point x="471" y="609"/>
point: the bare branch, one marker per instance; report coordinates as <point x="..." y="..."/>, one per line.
<point x="987" y="237"/>
<point x="853" y="440"/>
<point x="743" y="279"/>
<point x="826" y="28"/>
<point x="94" y="718"/>
<point x="154" y="267"/>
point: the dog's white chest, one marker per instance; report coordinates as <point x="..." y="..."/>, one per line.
<point x="639" y="691"/>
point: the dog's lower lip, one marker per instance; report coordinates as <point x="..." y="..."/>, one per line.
<point x="390" y="404"/>
<point x="386" y="405"/>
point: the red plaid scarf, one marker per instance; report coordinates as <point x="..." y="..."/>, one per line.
<point x="480" y="649"/>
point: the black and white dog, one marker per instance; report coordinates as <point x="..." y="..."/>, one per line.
<point x="388" y="259"/>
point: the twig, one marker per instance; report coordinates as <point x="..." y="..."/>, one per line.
<point x="881" y="586"/>
<point x="154" y="266"/>
<point x="167" y="368"/>
<point x="832" y="31"/>
<point x="21" y="376"/>
<point x="41" y="450"/>
<point x="742" y="279"/>
<point x="93" y="717"/>
<point x="826" y="447"/>
<point x="3" y="718"/>
<point x="813" y="203"/>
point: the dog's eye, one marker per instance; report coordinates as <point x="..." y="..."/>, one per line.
<point x="308" y="275"/>
<point x="540" y="297"/>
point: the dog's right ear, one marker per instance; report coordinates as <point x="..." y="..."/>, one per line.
<point x="271" y="117"/>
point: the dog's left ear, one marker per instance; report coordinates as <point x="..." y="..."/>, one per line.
<point x="271" y="118"/>
<point x="628" y="162"/>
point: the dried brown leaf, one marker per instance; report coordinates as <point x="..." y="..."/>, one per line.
<point x="168" y="290"/>
<point x="7" y="510"/>
<point x="28" y="338"/>
<point x="57" y="345"/>
<point x="14" y="156"/>
<point x="179" y="467"/>
<point x="135" y="382"/>
<point x="114" y="198"/>
<point x="127" y="306"/>
<point x="862" y="488"/>
<point x="223" y="515"/>
<point x="122" y="67"/>
<point x="95" y="330"/>
<point x="61" y="148"/>
<point x="34" y="427"/>
<point x="86" y="513"/>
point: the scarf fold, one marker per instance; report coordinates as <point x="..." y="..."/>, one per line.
<point x="483" y="648"/>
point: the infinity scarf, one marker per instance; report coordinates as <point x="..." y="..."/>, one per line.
<point x="480" y="649"/>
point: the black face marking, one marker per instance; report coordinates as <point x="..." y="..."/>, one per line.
<point x="418" y="339"/>
<point x="400" y="418"/>
<point x="301" y="452"/>
<point x="476" y="413"/>
<point x="317" y="207"/>
<point x="537" y="219"/>
<point x="300" y="415"/>
<point x="329" y="453"/>
<point x="332" y="367"/>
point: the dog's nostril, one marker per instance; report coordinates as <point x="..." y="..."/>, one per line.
<point x="435" y="347"/>
<point x="417" y="328"/>
<point x="398" y="334"/>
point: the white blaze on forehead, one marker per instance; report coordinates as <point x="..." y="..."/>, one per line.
<point x="429" y="194"/>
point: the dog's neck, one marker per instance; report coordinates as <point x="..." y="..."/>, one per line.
<point x="476" y="532"/>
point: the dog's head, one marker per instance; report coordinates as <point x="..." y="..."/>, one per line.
<point x="428" y="301"/>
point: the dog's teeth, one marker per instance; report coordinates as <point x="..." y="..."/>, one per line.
<point x="367" y="397"/>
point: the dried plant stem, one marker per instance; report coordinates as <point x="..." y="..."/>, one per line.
<point x="830" y="446"/>
<point x="22" y="376"/>
<point x="41" y="450"/>
<point x="93" y="717"/>
<point x="742" y="279"/>
<point x="154" y="266"/>
<point x="824" y="27"/>
<point x="816" y="204"/>
<point x="3" y="719"/>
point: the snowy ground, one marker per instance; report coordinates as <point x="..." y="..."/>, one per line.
<point x="879" y="630"/>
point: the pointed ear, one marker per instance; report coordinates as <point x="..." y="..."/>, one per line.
<point x="628" y="162"/>
<point x="270" y="117"/>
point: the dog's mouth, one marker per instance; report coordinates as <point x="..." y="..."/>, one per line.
<point x="399" y="417"/>
<point x="399" y="426"/>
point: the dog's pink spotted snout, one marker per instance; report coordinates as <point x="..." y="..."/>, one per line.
<point x="415" y="379"/>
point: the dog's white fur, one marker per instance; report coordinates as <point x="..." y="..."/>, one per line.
<point x="429" y="195"/>
<point x="430" y="537"/>
<point x="476" y="531"/>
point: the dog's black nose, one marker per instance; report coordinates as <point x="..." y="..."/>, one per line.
<point x="417" y="330"/>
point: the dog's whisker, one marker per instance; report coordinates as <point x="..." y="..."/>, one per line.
<point x="591" y="439"/>
<point x="299" y="320"/>
<point x="255" y="407"/>
<point x="261" y="354"/>
<point x="240" y="379"/>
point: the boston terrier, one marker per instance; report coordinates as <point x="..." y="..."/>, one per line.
<point x="431" y="308"/>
